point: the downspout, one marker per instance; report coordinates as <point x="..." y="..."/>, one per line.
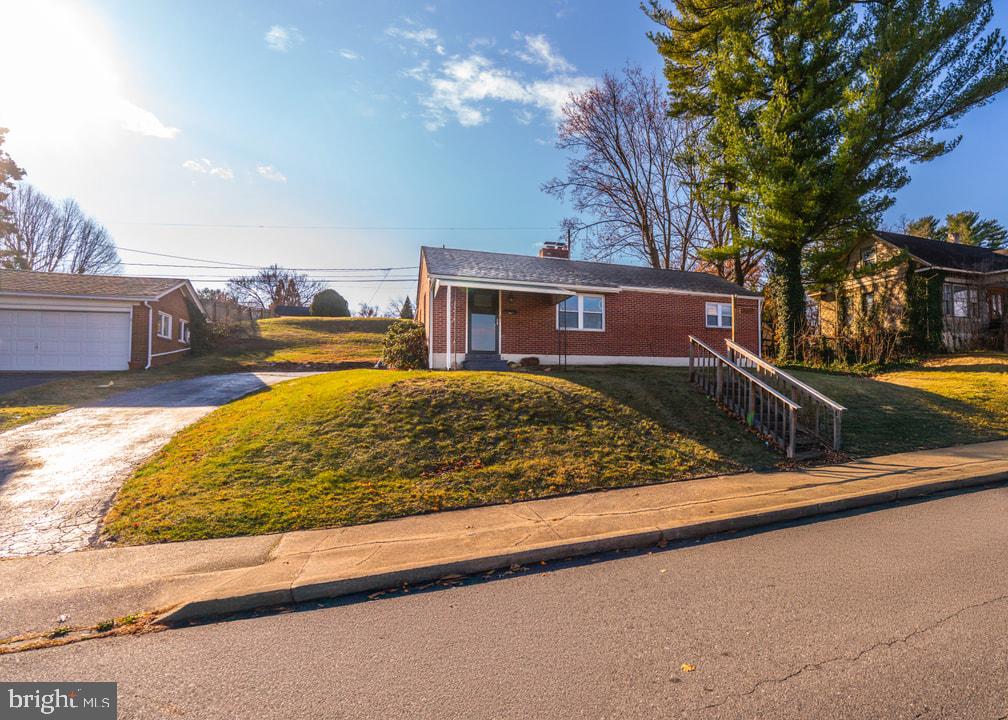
<point x="430" y="324"/>
<point x="150" y="333"/>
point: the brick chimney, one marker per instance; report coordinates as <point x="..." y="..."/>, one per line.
<point x="953" y="237"/>
<point x="555" y="249"/>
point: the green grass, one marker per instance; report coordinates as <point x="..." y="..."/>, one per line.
<point x="279" y="343"/>
<point x="364" y="445"/>
<point x="945" y="401"/>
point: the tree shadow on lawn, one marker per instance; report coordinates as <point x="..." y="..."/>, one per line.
<point x="881" y="418"/>
<point x="887" y="417"/>
<point x="665" y="396"/>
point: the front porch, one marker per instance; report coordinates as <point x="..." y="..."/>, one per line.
<point x="474" y="316"/>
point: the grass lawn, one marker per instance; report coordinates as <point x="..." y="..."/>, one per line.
<point x="275" y="342"/>
<point x="946" y="401"/>
<point x="365" y="445"/>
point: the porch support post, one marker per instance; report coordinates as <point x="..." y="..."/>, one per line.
<point x="448" y="321"/>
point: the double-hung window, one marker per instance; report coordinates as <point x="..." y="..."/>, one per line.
<point x="183" y="331"/>
<point x="867" y="302"/>
<point x="581" y="312"/>
<point x="961" y="301"/>
<point x="867" y="256"/>
<point x="719" y="315"/>
<point x="164" y="327"/>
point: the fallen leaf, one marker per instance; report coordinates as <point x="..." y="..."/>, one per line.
<point x="686" y="667"/>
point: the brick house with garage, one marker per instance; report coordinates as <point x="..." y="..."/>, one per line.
<point x="481" y="310"/>
<point x="61" y="321"/>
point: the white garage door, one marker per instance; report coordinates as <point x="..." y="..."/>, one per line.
<point x="64" y="340"/>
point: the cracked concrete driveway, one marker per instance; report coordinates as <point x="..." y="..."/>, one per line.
<point x="59" y="475"/>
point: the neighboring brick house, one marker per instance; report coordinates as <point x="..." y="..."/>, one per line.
<point x="60" y="321"/>
<point x="969" y="286"/>
<point x="483" y="306"/>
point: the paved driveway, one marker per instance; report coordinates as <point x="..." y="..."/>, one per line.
<point x="59" y="475"/>
<point x="11" y="381"/>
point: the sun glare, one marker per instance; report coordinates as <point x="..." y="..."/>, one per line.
<point x="65" y="83"/>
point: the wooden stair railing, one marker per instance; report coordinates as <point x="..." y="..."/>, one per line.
<point x="820" y="417"/>
<point x="761" y="407"/>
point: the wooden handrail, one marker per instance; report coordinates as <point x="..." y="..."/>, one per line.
<point x="748" y="375"/>
<point x="756" y="359"/>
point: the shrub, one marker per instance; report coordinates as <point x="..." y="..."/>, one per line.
<point x="200" y="333"/>
<point x="405" y="347"/>
<point x="330" y="303"/>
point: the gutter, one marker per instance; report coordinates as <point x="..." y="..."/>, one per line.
<point x="150" y="333"/>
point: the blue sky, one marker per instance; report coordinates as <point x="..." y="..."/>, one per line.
<point x="394" y="121"/>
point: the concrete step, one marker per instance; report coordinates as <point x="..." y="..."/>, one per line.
<point x="485" y="364"/>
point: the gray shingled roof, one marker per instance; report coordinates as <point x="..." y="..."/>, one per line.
<point x="104" y="286"/>
<point x="449" y="262"/>
<point x="946" y="254"/>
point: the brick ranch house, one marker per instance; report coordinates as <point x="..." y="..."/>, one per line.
<point x="966" y="285"/>
<point x="481" y="309"/>
<point x="59" y="321"/>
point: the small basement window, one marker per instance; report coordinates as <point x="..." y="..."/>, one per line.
<point x="164" y="327"/>
<point x="183" y="333"/>
<point x="582" y="312"/>
<point x="719" y="315"/>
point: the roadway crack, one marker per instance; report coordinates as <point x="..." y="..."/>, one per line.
<point x="855" y="658"/>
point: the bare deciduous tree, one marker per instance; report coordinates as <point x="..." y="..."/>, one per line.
<point x="367" y="311"/>
<point x="628" y="172"/>
<point x="55" y="237"/>
<point x="273" y="286"/>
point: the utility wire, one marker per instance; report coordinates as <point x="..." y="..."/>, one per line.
<point x="215" y="278"/>
<point x="263" y="267"/>
<point x="228" y="265"/>
<point x="239" y="226"/>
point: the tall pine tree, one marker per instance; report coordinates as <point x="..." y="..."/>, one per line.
<point x="819" y="105"/>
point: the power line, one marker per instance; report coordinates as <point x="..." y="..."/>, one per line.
<point x="215" y="278"/>
<point x="251" y="226"/>
<point x="263" y="267"/>
<point x="228" y="265"/>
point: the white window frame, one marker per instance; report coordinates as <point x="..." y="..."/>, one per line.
<point x="717" y="312"/>
<point x="161" y="317"/>
<point x="581" y="313"/>
<point x="867" y="256"/>
<point x="183" y="332"/>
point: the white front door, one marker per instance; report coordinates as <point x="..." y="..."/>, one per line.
<point x="64" y="340"/>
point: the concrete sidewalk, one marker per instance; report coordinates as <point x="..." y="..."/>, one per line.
<point x="214" y="577"/>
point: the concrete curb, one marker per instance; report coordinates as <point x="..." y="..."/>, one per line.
<point x="271" y="593"/>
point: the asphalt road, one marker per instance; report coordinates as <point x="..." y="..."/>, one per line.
<point x="897" y="613"/>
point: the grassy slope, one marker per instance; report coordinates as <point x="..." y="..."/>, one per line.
<point x="277" y="340"/>
<point x="359" y="446"/>
<point x="946" y="401"/>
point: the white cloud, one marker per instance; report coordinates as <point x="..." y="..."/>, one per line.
<point x="463" y="88"/>
<point x="282" y="38"/>
<point x="524" y="116"/>
<point x="204" y="166"/>
<point x="538" y="51"/>
<point x="271" y="173"/>
<point x="424" y="36"/>
<point x="349" y="54"/>
<point x="135" y="119"/>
